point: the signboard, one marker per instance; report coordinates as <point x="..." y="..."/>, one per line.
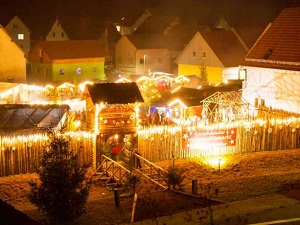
<point x="209" y="138"/>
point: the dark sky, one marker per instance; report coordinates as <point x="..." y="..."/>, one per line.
<point x="237" y="11"/>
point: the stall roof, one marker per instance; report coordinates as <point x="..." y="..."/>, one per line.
<point x="114" y="93"/>
<point x="25" y="119"/>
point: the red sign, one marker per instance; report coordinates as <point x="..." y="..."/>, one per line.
<point x="209" y="138"/>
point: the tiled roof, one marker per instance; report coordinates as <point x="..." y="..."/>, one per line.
<point x="225" y="45"/>
<point x="114" y="93"/>
<point x="72" y="49"/>
<point x="279" y="45"/>
<point x="148" y="41"/>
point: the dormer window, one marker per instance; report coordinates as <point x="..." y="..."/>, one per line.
<point x="268" y="53"/>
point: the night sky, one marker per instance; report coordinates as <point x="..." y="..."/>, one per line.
<point x="237" y="12"/>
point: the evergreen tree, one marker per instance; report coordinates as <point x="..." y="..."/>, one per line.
<point x="203" y="73"/>
<point x="63" y="188"/>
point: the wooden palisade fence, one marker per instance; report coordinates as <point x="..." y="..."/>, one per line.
<point x="262" y="134"/>
<point x="21" y="154"/>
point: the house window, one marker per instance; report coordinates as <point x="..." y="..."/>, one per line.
<point x="78" y="71"/>
<point x="119" y="60"/>
<point x="95" y="70"/>
<point x="61" y="72"/>
<point x="194" y="54"/>
<point x="20" y="36"/>
<point x="53" y="34"/>
<point x="204" y="55"/>
<point x="10" y="78"/>
<point x="41" y="56"/>
<point x="142" y="61"/>
<point x="242" y="74"/>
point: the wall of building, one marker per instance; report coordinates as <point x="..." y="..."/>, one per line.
<point x="279" y="89"/>
<point x="78" y="71"/>
<point x="152" y="60"/>
<point x="125" y="54"/>
<point x="12" y="60"/>
<point x="214" y="74"/>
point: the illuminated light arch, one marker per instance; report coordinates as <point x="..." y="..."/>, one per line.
<point x="227" y="106"/>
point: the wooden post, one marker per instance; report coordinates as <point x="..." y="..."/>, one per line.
<point x="194" y="187"/>
<point x="133" y="207"/>
<point x="117" y="197"/>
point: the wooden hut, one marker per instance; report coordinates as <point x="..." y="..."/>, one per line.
<point x="23" y="133"/>
<point x="112" y="114"/>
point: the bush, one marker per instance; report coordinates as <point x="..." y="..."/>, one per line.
<point x="63" y="188"/>
<point x="174" y="177"/>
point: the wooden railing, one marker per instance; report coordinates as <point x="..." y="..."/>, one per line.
<point x="113" y="170"/>
<point x="118" y="175"/>
<point x="151" y="171"/>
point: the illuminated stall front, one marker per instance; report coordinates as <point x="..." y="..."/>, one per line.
<point x="112" y="114"/>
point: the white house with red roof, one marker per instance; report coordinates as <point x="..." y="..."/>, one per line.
<point x="272" y="65"/>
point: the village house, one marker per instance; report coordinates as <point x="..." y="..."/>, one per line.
<point x="57" y="32"/>
<point x="143" y="54"/>
<point x="272" y="66"/>
<point x="12" y="59"/>
<point x="57" y="61"/>
<point x="20" y="33"/>
<point x="212" y="54"/>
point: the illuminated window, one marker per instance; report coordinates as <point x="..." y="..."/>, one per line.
<point x="61" y="72"/>
<point x="242" y="74"/>
<point x="20" y="36"/>
<point x="78" y="71"/>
